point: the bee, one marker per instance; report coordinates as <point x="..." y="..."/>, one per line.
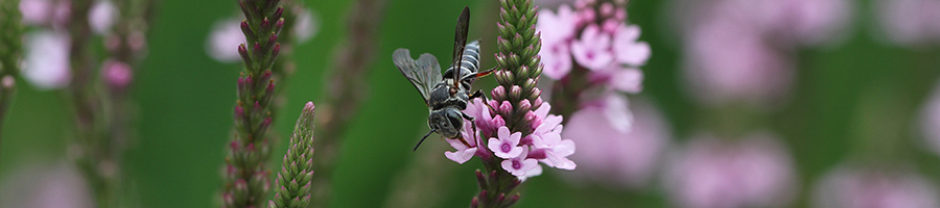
<point x="445" y="96"/>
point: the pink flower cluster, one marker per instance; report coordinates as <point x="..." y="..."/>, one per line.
<point x="520" y="155"/>
<point x="850" y="187"/>
<point x="710" y="173"/>
<point x="593" y="37"/>
<point x="738" y="50"/>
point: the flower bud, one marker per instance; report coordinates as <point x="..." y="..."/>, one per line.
<point x="525" y="105"/>
<point x="499" y="93"/>
<point x="515" y="93"/>
<point x="505" y="108"/>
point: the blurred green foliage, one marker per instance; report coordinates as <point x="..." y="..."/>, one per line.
<point x="185" y="101"/>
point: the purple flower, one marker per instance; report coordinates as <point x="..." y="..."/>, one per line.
<point x="483" y="118"/>
<point x="224" y="39"/>
<point x="847" y="187"/>
<point x="547" y="139"/>
<point x="465" y="146"/>
<point x="710" y="173"/>
<point x="592" y="50"/>
<point x="626" y="155"/>
<point x="627" y="47"/>
<point x="47" y="59"/>
<point x="522" y="167"/>
<point x="506" y="144"/>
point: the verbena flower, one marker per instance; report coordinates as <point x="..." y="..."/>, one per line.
<point x="625" y="153"/>
<point x="506" y="145"/>
<point x="752" y="172"/>
<point x="45" y="12"/>
<point x="117" y="74"/>
<point x="850" y="187"/>
<point x="47" y="59"/>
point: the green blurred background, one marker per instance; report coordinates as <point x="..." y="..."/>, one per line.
<point x="185" y="98"/>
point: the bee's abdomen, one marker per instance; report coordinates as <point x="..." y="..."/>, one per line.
<point x="471" y="58"/>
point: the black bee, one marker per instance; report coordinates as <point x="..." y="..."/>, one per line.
<point x="446" y="96"/>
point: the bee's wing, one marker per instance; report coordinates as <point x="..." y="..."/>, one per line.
<point x="460" y="41"/>
<point x="423" y="73"/>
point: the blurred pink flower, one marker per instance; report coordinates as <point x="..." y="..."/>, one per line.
<point x="727" y="62"/>
<point x="592" y="50"/>
<point x="117" y="74"/>
<point x="45" y="186"/>
<point x="710" y="173"/>
<point x="847" y="187"/>
<point x="557" y="28"/>
<point x="626" y="154"/>
<point x="47" y="59"/>
<point x="45" y="12"/>
<point x="909" y="22"/>
<point x="556" y="59"/>
<point x="815" y="22"/>
<point x="307" y="25"/>
<point x="627" y="47"/>
<point x="101" y="16"/>
<point x="930" y="121"/>
<point x="224" y="39"/>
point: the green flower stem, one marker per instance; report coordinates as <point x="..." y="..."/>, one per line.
<point x="246" y="179"/>
<point x="297" y="171"/>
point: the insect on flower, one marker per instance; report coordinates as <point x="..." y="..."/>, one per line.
<point x="446" y="96"/>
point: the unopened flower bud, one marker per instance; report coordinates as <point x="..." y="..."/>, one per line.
<point x="515" y="92"/>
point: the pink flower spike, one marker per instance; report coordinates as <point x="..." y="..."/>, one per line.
<point x="627" y="47"/>
<point x="506" y="146"/>
<point x="592" y="50"/>
<point x="521" y="167"/>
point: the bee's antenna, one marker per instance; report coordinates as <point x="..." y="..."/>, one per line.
<point x="422" y="140"/>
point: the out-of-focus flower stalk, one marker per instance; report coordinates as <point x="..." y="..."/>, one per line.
<point x="346" y="88"/>
<point x="246" y="179"/>
<point x="95" y="158"/>
<point x="11" y="52"/>
<point x="294" y="180"/>
<point x="285" y="66"/>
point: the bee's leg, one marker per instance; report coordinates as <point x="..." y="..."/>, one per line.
<point x="473" y="125"/>
<point x="477" y="94"/>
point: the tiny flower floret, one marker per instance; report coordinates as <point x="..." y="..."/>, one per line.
<point x="506" y="145"/>
<point x="522" y="167"/>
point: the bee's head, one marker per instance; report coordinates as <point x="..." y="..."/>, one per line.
<point x="446" y="122"/>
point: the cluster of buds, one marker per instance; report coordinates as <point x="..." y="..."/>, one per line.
<point x="297" y="171"/>
<point x="247" y="180"/>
